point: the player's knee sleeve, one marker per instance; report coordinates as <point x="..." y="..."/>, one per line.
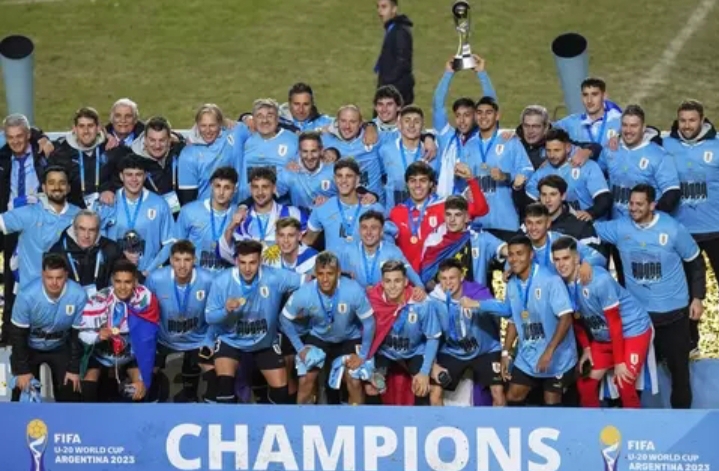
<point x="90" y="391"/>
<point x="278" y="395"/>
<point x="210" y="378"/>
<point x="226" y="389"/>
<point x="373" y="400"/>
<point x="588" y="392"/>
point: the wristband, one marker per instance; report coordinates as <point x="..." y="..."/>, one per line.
<point x="505" y="353"/>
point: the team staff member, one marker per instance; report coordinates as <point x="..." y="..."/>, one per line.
<point x="46" y="317"/>
<point x="89" y="255"/>
<point x="394" y="65"/>
<point x="654" y="248"/>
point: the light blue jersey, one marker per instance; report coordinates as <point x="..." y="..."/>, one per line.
<point x="314" y="123"/>
<point x="582" y="128"/>
<point x="583" y="183"/>
<point x="39" y="227"/>
<point x="347" y="315"/>
<point x="303" y="187"/>
<point x="535" y="306"/>
<point x="276" y="151"/>
<point x="652" y="259"/>
<point x="416" y="331"/>
<point x="182" y="307"/>
<point x="204" y="227"/>
<point x="395" y="159"/>
<point x="199" y="161"/>
<point x="466" y="333"/>
<point x="602" y="294"/>
<point x="543" y="254"/>
<point x="254" y="325"/>
<point x="151" y="217"/>
<point x="366" y="269"/>
<point x="646" y="163"/>
<point x="48" y="320"/>
<point x="367" y="157"/>
<point x="698" y="168"/>
<point x="339" y="221"/>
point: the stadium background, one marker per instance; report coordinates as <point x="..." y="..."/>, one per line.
<point x="172" y="56"/>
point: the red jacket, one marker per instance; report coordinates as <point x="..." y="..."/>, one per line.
<point x="434" y="217"/>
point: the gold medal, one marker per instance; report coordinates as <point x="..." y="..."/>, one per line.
<point x="414" y="239"/>
<point x="525" y="314"/>
<point x="243" y="301"/>
<point x="115" y="331"/>
<point x="214" y="246"/>
<point x="349" y="238"/>
<point x="485" y="166"/>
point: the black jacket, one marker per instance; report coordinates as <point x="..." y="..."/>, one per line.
<point x="394" y="66"/>
<point x="6" y="156"/>
<point x="136" y="131"/>
<point x="568" y="224"/>
<point x="67" y="154"/>
<point x="85" y="259"/>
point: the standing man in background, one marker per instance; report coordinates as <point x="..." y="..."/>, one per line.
<point x="394" y="65"/>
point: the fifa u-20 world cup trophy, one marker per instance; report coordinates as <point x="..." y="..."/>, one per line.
<point x="463" y="60"/>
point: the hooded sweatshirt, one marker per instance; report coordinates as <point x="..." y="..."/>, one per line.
<point x="85" y="164"/>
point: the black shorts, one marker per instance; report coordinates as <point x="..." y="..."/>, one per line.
<point x="334" y="350"/>
<point x="164" y="351"/>
<point x="266" y="359"/>
<point x="411" y="365"/>
<point x="486" y="369"/>
<point x="287" y="347"/>
<point x="555" y="384"/>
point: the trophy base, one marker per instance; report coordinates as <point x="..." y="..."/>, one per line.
<point x="463" y="63"/>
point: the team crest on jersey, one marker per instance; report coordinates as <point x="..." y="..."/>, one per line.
<point x="433" y="221"/>
<point x="342" y="308"/>
<point x="277" y="348"/>
<point x="575" y="173"/>
<point x="644" y="163"/>
<point x="538" y="293"/>
<point x="200" y="294"/>
<point x="151" y="214"/>
<point x="475" y="252"/>
<point x="230" y="140"/>
<point x="499" y="149"/>
<point x="282" y="150"/>
<point x="611" y="133"/>
<point x="708" y="156"/>
<point x="585" y="293"/>
<point x="496" y="367"/>
<point x="412" y="318"/>
<point x="634" y="359"/>
<point x="325" y="185"/>
<point x="264" y="292"/>
<point x="69" y="309"/>
<point x="663" y="238"/>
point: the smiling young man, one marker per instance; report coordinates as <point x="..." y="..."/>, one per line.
<point x="621" y="330"/>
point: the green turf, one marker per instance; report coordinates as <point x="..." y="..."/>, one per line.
<point x="171" y="56"/>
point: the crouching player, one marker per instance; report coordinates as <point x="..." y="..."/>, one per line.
<point x="621" y="330"/>
<point x="181" y="290"/>
<point x="407" y="332"/>
<point x="471" y="341"/>
<point x="120" y="325"/>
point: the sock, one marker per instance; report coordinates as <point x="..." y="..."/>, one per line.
<point x="375" y="400"/>
<point x="629" y="396"/>
<point x="588" y="392"/>
<point x="226" y="389"/>
<point x="421" y="401"/>
<point x="89" y="391"/>
<point x="210" y="378"/>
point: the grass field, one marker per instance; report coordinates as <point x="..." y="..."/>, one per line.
<point x="172" y="56"/>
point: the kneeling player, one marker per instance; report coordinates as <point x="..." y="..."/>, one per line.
<point x="407" y="332"/>
<point x="120" y="324"/>
<point x="540" y="315"/>
<point x="46" y="318"/>
<point x="181" y="290"/>
<point x="471" y="340"/>
<point x="244" y="304"/>
<point x="341" y="321"/>
<point x="621" y="330"/>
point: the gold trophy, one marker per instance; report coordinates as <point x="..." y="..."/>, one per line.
<point x="463" y="60"/>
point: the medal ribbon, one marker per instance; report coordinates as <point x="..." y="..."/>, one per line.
<point x="400" y="320"/>
<point x="262" y="227"/>
<point x="75" y="273"/>
<point x="247" y="291"/>
<point x="81" y="162"/>
<point x="131" y="220"/>
<point x="452" y="310"/>
<point x="347" y="226"/>
<point x="575" y="296"/>
<point x="589" y="127"/>
<point x="216" y="234"/>
<point x="524" y="293"/>
<point x="483" y="151"/>
<point x="329" y="313"/>
<point x="369" y="273"/>
<point x="415" y="224"/>
<point x="182" y="305"/>
<point x="416" y="152"/>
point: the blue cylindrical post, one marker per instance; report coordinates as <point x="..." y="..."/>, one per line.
<point x="16" y="59"/>
<point x="572" y="60"/>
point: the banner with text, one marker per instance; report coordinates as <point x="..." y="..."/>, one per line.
<point x="167" y="437"/>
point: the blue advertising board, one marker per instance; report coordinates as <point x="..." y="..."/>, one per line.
<point x="55" y="437"/>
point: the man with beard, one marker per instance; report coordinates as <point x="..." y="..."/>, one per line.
<point x="455" y="141"/>
<point x="82" y="152"/>
<point x="588" y="193"/>
<point x="394" y="65"/>
<point x="203" y="222"/>
<point x="160" y="154"/>
<point x="89" y="255"/>
<point x="46" y="320"/>
<point x="407" y="334"/>
<point x="693" y="143"/>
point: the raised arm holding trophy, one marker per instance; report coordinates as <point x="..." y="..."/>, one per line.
<point x="464" y="59"/>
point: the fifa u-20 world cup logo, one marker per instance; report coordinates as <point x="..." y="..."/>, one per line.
<point x="37" y="442"/>
<point x="611" y="440"/>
